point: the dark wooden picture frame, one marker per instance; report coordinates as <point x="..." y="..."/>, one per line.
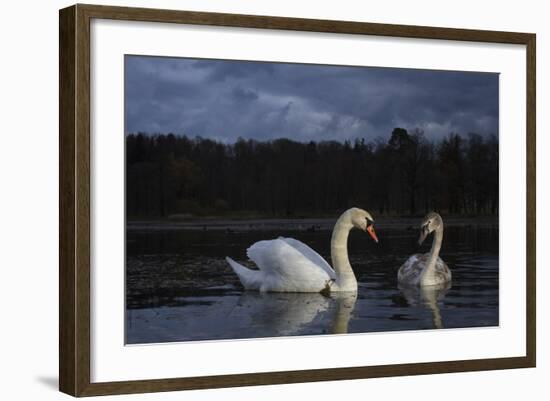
<point x="74" y="204"/>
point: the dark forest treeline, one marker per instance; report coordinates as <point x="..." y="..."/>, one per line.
<point x="168" y="174"/>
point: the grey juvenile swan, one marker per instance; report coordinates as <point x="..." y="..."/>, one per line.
<point x="288" y="265"/>
<point x="426" y="269"/>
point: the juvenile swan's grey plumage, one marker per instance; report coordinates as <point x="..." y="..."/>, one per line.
<point x="429" y="268"/>
<point x="288" y="265"/>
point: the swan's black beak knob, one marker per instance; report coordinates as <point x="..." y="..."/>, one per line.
<point x="423" y="234"/>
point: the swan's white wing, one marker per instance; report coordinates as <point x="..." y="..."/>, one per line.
<point x="311" y="254"/>
<point x="286" y="269"/>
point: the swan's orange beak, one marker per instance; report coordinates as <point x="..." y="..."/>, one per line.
<point x="370" y="230"/>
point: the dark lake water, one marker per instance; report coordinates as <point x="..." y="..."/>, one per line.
<point x="179" y="287"/>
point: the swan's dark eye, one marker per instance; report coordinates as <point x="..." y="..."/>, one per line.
<point x="369" y="222"/>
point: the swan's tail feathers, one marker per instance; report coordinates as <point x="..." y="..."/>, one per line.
<point x="249" y="278"/>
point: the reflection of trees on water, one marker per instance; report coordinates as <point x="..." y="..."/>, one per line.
<point x="428" y="297"/>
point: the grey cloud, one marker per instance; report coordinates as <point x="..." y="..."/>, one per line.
<point x="228" y="99"/>
<point x="242" y="94"/>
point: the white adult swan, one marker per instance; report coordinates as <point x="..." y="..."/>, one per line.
<point x="426" y="269"/>
<point x="288" y="265"/>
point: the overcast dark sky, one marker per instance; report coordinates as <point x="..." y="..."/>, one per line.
<point x="223" y="100"/>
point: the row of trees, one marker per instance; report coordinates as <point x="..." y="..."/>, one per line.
<point x="409" y="174"/>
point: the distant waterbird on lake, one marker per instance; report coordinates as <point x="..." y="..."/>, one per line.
<point x="289" y="265"/>
<point x="426" y="269"/>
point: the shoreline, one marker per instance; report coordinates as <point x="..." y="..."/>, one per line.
<point x="305" y="224"/>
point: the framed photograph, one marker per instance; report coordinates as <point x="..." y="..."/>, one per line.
<point x="250" y="200"/>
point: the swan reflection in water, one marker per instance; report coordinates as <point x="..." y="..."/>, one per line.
<point x="427" y="297"/>
<point x="234" y="317"/>
<point x="286" y="314"/>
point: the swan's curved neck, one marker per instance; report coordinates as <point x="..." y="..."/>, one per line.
<point x="345" y="279"/>
<point x="428" y="275"/>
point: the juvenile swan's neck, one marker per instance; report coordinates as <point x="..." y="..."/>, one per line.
<point x="428" y="275"/>
<point x="345" y="279"/>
